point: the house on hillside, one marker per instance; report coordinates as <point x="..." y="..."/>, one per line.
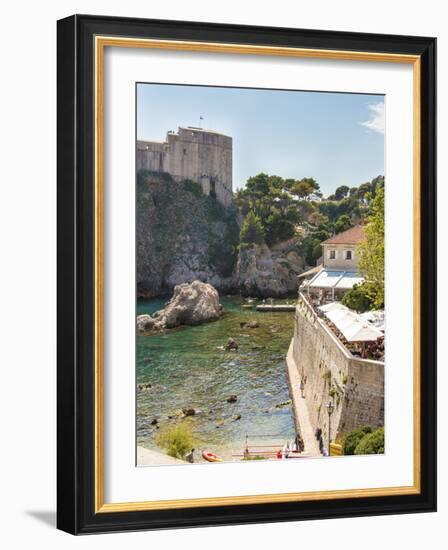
<point x="338" y="271"/>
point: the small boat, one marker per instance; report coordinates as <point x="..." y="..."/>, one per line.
<point x="211" y="457"/>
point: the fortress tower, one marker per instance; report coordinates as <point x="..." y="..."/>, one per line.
<point x="203" y="156"/>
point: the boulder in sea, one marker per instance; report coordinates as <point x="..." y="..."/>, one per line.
<point x="250" y="324"/>
<point x="154" y="421"/>
<point x="232" y="399"/>
<point x="231" y="345"/>
<point x="188" y="411"/>
<point x="191" y="304"/>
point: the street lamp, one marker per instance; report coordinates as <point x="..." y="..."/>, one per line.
<point x="330" y="409"/>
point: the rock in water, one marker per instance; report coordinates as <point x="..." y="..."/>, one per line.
<point x="146" y="323"/>
<point x="141" y="387"/>
<point x="191" y="304"/>
<point x="250" y="324"/>
<point x="231" y="345"/>
<point x="283" y="404"/>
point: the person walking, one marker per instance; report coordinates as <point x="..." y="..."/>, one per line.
<point x="298" y="441"/>
<point x="190" y="457"/>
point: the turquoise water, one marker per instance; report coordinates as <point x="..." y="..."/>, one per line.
<point x="186" y="368"/>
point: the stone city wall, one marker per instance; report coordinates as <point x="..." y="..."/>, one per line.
<point x="354" y="385"/>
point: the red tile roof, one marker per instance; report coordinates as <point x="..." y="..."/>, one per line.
<point x="354" y="235"/>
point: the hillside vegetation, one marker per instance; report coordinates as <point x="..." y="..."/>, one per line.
<point x="277" y="209"/>
<point x="259" y="245"/>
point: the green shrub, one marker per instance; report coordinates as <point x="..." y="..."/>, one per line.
<point x="216" y="212"/>
<point x="342" y="223"/>
<point x="252" y="230"/>
<point x="222" y="248"/>
<point x="278" y="228"/>
<point x="143" y="175"/>
<point x="353" y="438"/>
<point x="193" y="187"/>
<point x="177" y="440"/>
<point x="371" y="444"/>
<point x="358" y="298"/>
<point x="311" y="249"/>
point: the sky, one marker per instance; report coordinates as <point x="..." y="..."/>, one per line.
<point x="336" y="138"/>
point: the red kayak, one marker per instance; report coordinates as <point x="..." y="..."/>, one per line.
<point x="211" y="457"/>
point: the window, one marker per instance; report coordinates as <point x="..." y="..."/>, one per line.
<point x="348" y="255"/>
<point x="332" y="254"/>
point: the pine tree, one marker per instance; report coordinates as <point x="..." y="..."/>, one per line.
<point x="252" y="231"/>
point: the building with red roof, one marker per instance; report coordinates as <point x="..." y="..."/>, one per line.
<point x="338" y="272"/>
<point x="339" y="251"/>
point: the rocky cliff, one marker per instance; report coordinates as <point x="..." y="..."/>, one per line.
<point x="269" y="272"/>
<point x="182" y="235"/>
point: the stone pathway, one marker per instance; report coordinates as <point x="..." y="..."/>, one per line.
<point x="300" y="407"/>
<point x="146" y="457"/>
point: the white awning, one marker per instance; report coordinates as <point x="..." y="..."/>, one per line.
<point x="350" y="324"/>
<point x="332" y="307"/>
<point x="337" y="279"/>
<point x="349" y="279"/>
<point x="326" y="279"/>
<point x="376" y="318"/>
<point x="311" y="271"/>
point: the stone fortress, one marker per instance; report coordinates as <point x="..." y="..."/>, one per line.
<point x="196" y="154"/>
